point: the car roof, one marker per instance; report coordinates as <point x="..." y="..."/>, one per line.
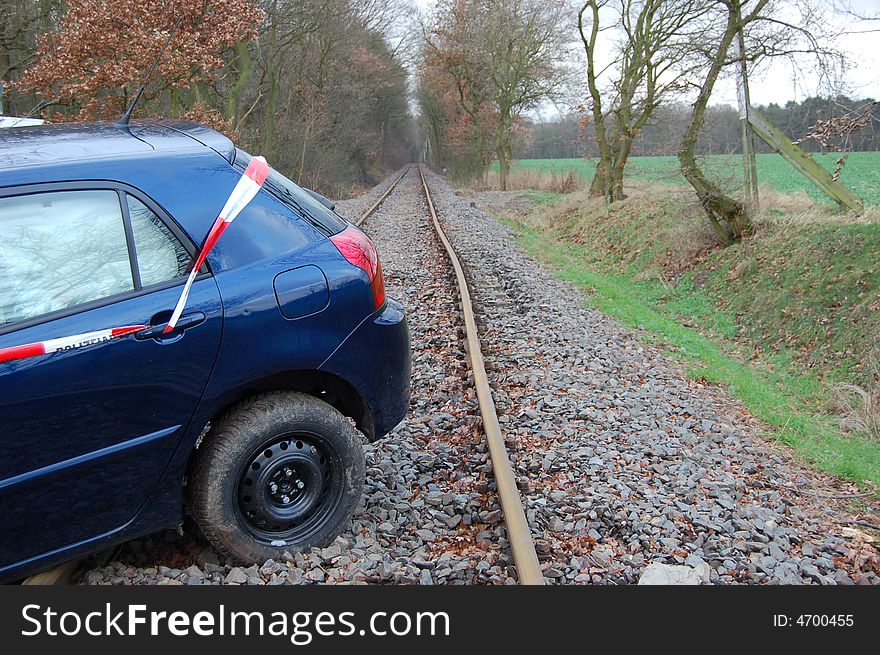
<point x="42" y="145"/>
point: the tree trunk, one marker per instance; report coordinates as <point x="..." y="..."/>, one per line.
<point x="601" y="177"/>
<point x="245" y="70"/>
<point x="485" y="158"/>
<point x="305" y="146"/>
<point x="503" y="169"/>
<point x="615" y="190"/>
<point x="269" y="128"/>
<point x="5" y="60"/>
<point x="727" y="215"/>
<point x="503" y="148"/>
<point x="601" y="184"/>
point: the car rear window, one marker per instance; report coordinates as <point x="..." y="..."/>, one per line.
<point x="297" y="198"/>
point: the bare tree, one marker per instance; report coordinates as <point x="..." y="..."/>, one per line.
<point x="649" y="66"/>
<point x="525" y="40"/>
<point x="507" y="53"/>
<point x="321" y="91"/>
<point x="767" y="34"/>
<point x="450" y="44"/>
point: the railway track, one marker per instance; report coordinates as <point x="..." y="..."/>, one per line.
<point x="522" y="545"/>
<point x="627" y="463"/>
<point x="381" y="199"/>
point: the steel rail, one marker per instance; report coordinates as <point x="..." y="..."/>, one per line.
<point x="381" y="199"/>
<point x="521" y="544"/>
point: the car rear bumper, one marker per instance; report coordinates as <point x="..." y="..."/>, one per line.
<point x="375" y="359"/>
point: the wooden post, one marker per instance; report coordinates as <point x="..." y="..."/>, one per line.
<point x="750" y="167"/>
<point x="813" y="170"/>
<point x="752" y="123"/>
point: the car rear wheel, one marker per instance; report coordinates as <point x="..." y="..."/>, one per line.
<point x="280" y="471"/>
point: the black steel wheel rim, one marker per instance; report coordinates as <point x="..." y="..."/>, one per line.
<point x="289" y="488"/>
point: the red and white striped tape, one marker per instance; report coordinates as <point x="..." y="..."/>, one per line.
<point x="67" y="343"/>
<point x="245" y="190"/>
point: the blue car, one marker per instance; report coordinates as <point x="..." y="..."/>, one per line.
<point x="248" y="415"/>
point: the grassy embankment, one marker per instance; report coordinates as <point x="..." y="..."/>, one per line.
<point x="784" y="319"/>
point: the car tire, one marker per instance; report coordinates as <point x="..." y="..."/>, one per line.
<point x="279" y="471"/>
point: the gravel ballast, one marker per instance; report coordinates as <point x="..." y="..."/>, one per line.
<point x="622" y="460"/>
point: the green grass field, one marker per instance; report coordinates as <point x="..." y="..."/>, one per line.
<point x="861" y="173"/>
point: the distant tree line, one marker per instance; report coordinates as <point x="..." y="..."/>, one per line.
<point x="570" y="136"/>
<point x="313" y="85"/>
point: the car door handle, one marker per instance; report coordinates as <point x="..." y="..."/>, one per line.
<point x="184" y="323"/>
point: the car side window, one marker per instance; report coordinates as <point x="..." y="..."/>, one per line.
<point x="61" y="249"/>
<point x="160" y="256"/>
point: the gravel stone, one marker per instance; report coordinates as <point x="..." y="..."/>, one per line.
<point x="236" y="576"/>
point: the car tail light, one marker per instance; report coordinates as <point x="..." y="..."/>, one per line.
<point x="358" y="250"/>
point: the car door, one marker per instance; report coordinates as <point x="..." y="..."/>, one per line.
<point x="87" y="431"/>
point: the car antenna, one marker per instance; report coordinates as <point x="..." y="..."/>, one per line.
<point x="126" y="116"/>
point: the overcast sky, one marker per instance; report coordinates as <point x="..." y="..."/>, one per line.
<point x="779" y="82"/>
